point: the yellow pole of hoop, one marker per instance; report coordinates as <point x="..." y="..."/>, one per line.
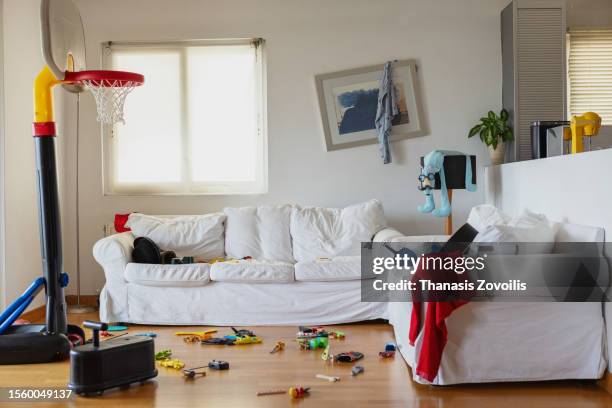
<point x="43" y="97"/>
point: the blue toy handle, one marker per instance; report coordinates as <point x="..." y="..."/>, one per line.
<point x="8" y="317"/>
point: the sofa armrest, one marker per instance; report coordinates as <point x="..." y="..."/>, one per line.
<point x="386" y="235"/>
<point x="113" y="253"/>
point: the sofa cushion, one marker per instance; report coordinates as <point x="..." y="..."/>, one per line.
<point x="187" y="235"/>
<point x="259" y="232"/>
<point x="252" y="271"/>
<point x="485" y="215"/>
<point x="341" y="268"/>
<point x="332" y="232"/>
<point x="197" y="274"/>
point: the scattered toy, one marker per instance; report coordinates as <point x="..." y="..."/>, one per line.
<point x="328" y="377"/>
<point x="243" y="332"/>
<point x="192" y="339"/>
<point x="172" y="363"/>
<point x="313" y="343"/>
<point x="348" y="357"/>
<point x="147" y="334"/>
<point x="325" y="353"/>
<point x="218" y="365"/>
<point x="387" y="354"/>
<point x="337" y="334"/>
<point x="163" y="354"/>
<point x="191" y="373"/>
<point x="117" y="328"/>
<point x="311" y="332"/>
<point x="247" y="340"/>
<point x="390" y="347"/>
<point x="105" y="333"/>
<point x="280" y="345"/>
<point x="357" y="370"/>
<point x="207" y="334"/>
<point x="218" y="341"/>
<point x="294" y="392"/>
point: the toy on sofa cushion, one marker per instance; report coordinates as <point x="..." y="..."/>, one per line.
<point x="434" y="164"/>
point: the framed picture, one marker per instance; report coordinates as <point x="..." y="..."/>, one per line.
<point x="348" y="101"/>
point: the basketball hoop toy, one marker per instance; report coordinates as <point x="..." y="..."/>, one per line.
<point x="109" y="88"/>
<point x="63" y="46"/>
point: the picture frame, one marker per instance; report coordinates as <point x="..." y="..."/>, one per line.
<point x="348" y="100"/>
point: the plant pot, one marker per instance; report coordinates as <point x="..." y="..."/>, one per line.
<point x="497" y="155"/>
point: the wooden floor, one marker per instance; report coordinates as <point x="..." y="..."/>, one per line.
<point x="385" y="383"/>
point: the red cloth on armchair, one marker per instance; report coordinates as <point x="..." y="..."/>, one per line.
<point x="435" y="334"/>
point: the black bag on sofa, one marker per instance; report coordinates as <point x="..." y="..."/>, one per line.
<point x="147" y="251"/>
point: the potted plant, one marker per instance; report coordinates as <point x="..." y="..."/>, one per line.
<point x="494" y="132"/>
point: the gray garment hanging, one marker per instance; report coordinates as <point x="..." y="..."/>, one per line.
<point x="385" y="111"/>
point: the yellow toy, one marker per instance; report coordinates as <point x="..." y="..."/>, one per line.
<point x="172" y="363"/>
<point x="586" y="125"/>
<point x="247" y="340"/>
<point x="280" y="345"/>
<point x="207" y="334"/>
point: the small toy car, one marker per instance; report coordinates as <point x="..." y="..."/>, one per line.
<point x="218" y="365"/>
<point x="247" y="340"/>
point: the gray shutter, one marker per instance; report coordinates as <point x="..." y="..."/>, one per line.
<point x="540" y="64"/>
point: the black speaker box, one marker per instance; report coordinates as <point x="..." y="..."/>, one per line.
<point x="98" y="366"/>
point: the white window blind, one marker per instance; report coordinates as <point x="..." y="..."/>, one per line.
<point x="590" y="72"/>
<point x="197" y="124"/>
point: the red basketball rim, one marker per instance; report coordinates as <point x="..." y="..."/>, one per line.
<point x="105" y="78"/>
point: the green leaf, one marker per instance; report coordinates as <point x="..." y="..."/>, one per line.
<point x="474" y="130"/>
<point x="484" y="135"/>
<point x="491" y="115"/>
<point x="503" y="115"/>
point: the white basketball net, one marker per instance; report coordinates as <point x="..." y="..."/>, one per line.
<point x="110" y="98"/>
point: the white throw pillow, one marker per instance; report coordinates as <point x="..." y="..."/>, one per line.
<point x="259" y="232"/>
<point x="188" y="235"/>
<point x="532" y="233"/>
<point x="331" y="232"/>
<point x="485" y="215"/>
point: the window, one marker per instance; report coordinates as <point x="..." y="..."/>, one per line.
<point x="590" y="73"/>
<point x="197" y="124"/>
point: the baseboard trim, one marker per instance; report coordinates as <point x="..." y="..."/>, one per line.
<point x="605" y="382"/>
<point x="86" y="300"/>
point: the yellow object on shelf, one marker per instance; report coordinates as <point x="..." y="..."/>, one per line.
<point x="587" y="125"/>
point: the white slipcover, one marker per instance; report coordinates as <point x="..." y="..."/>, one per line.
<point x="187" y="235"/>
<point x="331" y="232"/>
<point x="259" y="232"/>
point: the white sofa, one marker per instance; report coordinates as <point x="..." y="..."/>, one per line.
<point x="515" y="341"/>
<point x="287" y="281"/>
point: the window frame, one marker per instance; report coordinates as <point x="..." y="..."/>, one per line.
<point x="186" y="186"/>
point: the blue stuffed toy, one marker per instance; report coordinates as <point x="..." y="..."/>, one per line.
<point x="432" y="165"/>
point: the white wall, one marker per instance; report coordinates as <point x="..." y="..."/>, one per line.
<point x="589" y="13"/>
<point x="456" y="43"/>
<point x="572" y="188"/>
<point x="2" y="104"/>
<point x="22" y="61"/>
